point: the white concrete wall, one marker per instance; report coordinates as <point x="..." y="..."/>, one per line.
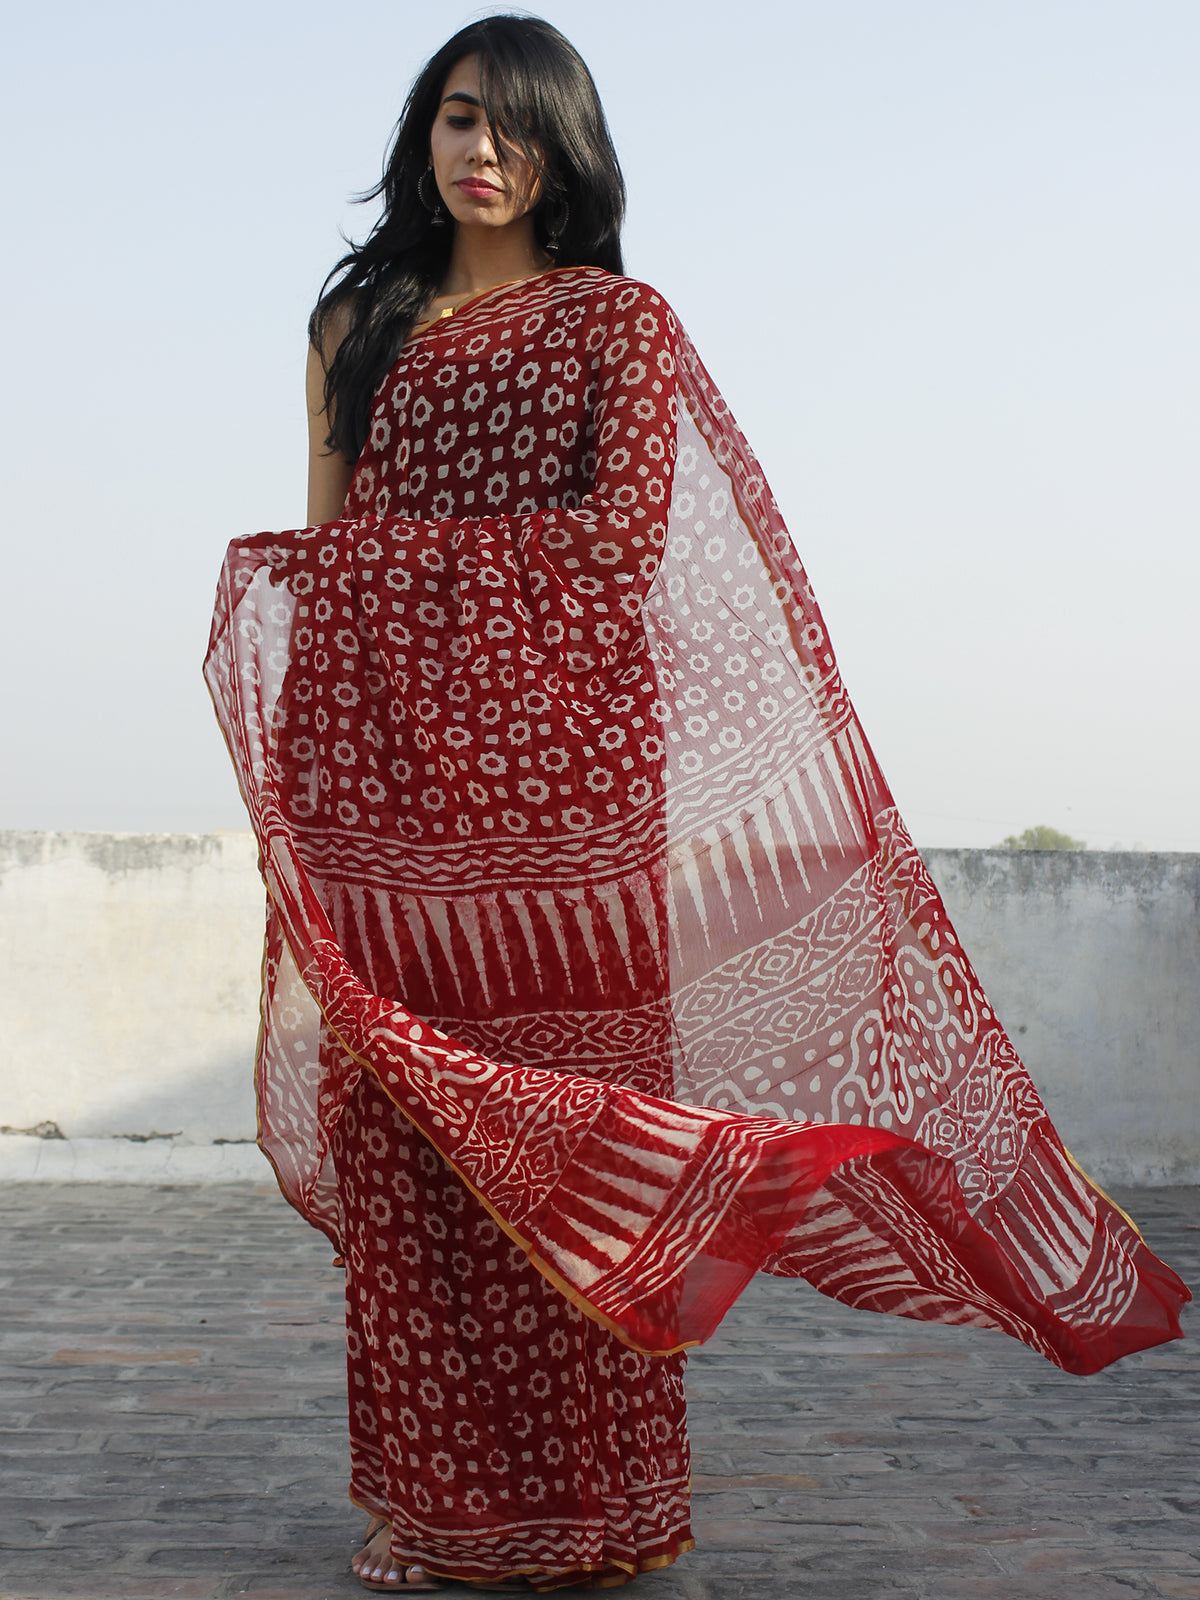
<point x="1092" y="961"/>
<point x="129" y="1006"/>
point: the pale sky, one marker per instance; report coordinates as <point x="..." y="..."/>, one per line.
<point x="941" y="255"/>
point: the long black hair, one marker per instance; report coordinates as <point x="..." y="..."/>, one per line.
<point x="538" y="93"/>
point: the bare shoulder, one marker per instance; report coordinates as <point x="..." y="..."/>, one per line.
<point x="329" y="472"/>
<point x="336" y="327"/>
<point x="320" y="358"/>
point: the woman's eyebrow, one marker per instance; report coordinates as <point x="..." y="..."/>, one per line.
<point x="461" y="94"/>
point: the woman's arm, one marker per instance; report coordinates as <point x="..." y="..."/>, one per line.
<point x="329" y="473"/>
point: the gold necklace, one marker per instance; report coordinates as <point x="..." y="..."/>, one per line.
<point x="448" y="311"/>
<point x="477" y="294"/>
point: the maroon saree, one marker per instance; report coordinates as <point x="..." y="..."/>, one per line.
<point x="585" y="890"/>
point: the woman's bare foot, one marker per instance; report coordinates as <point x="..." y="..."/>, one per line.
<point x="375" y="1569"/>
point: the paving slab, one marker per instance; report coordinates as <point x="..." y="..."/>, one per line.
<point x="172" y="1427"/>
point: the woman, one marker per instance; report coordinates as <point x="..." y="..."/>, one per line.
<point x="601" y="971"/>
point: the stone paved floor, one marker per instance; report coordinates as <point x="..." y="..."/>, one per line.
<point x="173" y="1426"/>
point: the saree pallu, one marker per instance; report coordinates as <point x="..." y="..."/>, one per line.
<point x="576" y="853"/>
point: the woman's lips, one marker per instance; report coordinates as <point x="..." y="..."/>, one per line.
<point x="477" y="190"/>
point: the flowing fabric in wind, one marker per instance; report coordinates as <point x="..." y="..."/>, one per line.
<point x="573" y="841"/>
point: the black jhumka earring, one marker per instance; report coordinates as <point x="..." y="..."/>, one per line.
<point x="556" y="226"/>
<point x="438" y="216"/>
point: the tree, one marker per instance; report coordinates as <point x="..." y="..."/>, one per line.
<point x="1041" y="838"/>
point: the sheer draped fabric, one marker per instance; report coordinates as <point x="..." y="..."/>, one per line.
<point x="574" y="843"/>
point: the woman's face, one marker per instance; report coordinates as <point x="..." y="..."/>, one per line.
<point x="466" y="164"/>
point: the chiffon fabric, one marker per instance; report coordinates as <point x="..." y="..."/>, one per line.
<point x="601" y="971"/>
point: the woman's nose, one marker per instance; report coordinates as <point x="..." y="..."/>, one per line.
<point x="481" y="150"/>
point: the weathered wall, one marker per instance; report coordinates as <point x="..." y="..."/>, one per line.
<point x="129" y="1003"/>
<point x="1092" y="960"/>
<point x="128" y="1010"/>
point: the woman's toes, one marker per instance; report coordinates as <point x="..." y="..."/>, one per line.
<point x="374" y="1562"/>
<point x="375" y="1557"/>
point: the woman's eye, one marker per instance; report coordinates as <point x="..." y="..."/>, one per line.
<point x="461" y="122"/>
